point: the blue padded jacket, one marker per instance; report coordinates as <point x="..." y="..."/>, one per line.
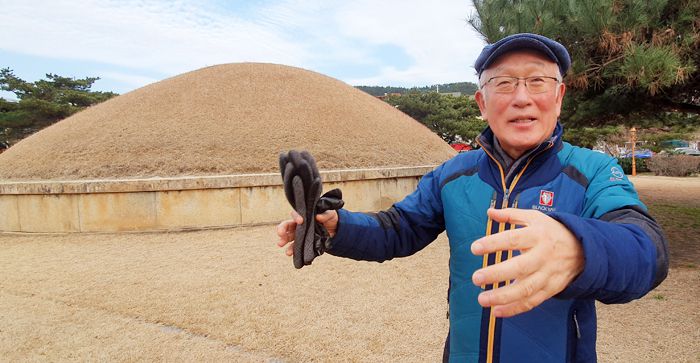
<point x="625" y="251"/>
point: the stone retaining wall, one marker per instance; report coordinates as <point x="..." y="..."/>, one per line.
<point x="184" y="202"/>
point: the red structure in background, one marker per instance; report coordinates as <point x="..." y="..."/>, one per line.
<point x="460" y="147"/>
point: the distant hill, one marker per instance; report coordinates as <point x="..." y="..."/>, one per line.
<point x="466" y="88"/>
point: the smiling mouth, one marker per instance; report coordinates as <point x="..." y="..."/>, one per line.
<point x="523" y="120"/>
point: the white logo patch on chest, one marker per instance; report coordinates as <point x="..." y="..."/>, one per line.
<point x="546" y="202"/>
<point x="546" y="198"/>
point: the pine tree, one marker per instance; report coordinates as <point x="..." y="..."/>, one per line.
<point x="631" y="59"/>
<point x="43" y="102"/>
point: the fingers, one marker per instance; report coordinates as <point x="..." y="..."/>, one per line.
<point x="325" y="216"/>
<point x="551" y="257"/>
<point x="285" y="230"/>
<point x="519" y="290"/>
<point x="282" y="229"/>
<point x="329" y="219"/>
<point x="297" y="217"/>
<point x="522" y="217"/>
<point x="518" y="297"/>
<point x="511" y="269"/>
<point x="514" y="239"/>
<point x="519" y="307"/>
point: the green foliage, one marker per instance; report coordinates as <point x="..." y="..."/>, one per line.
<point x="466" y="88"/>
<point x="382" y="90"/>
<point x="7" y="106"/>
<point x="43" y="102"/>
<point x="657" y="138"/>
<point x="640" y="164"/>
<point x="649" y="68"/>
<point x="631" y="59"/>
<point x="590" y="136"/>
<point x="452" y="118"/>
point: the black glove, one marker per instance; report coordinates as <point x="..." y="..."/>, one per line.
<point x="302" y="187"/>
<point x="333" y="199"/>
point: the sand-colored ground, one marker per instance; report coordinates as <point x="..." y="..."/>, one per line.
<point x="213" y="295"/>
<point x="666" y="188"/>
<point x="232" y="295"/>
<point x="675" y="203"/>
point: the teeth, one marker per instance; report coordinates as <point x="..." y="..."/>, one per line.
<point x="523" y="120"/>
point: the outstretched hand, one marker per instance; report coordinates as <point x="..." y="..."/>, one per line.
<point x="287" y="228"/>
<point x="551" y="257"/>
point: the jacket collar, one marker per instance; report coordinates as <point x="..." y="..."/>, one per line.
<point x="511" y="167"/>
<point x="486" y="139"/>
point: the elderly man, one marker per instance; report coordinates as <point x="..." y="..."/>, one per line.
<point x="538" y="229"/>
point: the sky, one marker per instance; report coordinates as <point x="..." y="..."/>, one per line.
<point x="131" y="43"/>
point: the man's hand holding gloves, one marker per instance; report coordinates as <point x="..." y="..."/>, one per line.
<point x="302" y="187"/>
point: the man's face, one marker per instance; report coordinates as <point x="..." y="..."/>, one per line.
<point x="520" y="120"/>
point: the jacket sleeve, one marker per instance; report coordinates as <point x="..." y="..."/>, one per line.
<point x="402" y="230"/>
<point x="626" y="253"/>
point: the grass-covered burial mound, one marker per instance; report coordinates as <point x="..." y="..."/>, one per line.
<point x="225" y="119"/>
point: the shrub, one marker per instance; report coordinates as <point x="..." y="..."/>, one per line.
<point x="626" y="164"/>
<point x="674" y="165"/>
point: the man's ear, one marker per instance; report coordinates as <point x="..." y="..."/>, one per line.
<point x="479" y="97"/>
<point x="560" y="96"/>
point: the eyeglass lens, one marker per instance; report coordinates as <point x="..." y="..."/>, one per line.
<point x="536" y="84"/>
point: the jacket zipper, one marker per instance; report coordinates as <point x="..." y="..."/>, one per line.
<point x="501" y="228"/>
<point x="489" y="225"/>
<point x="572" y="343"/>
<point x="512" y="227"/>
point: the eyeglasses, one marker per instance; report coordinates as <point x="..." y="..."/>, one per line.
<point x="534" y="84"/>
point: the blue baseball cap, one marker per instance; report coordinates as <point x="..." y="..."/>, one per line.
<point x="550" y="48"/>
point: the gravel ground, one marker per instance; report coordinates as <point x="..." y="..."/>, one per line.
<point x="232" y="295"/>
